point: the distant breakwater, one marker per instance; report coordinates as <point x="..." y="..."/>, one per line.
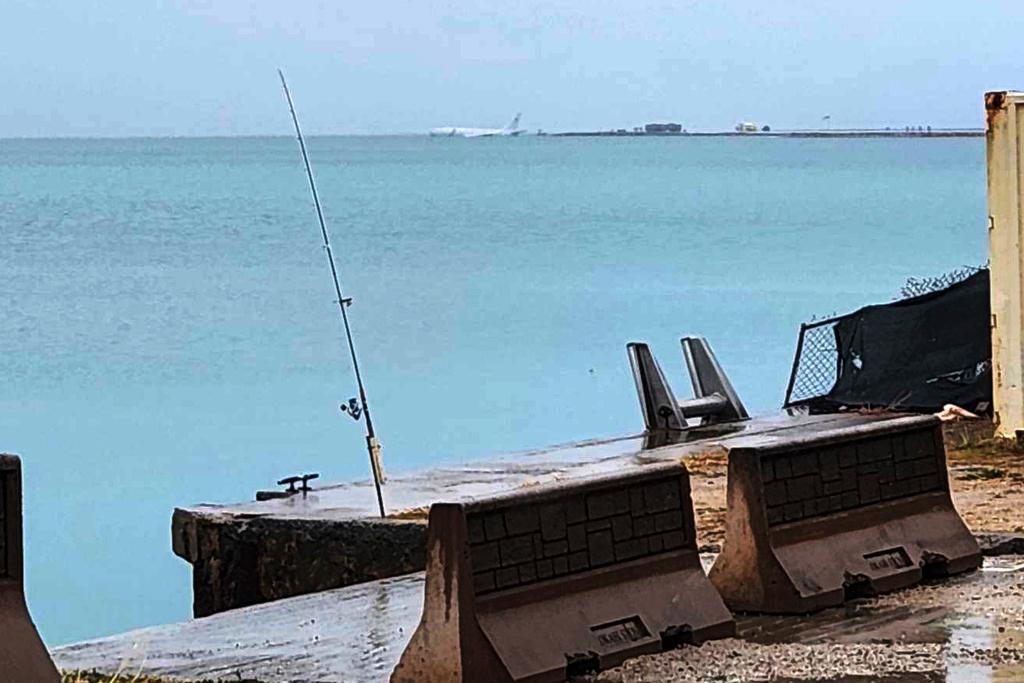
<point x="966" y="133"/>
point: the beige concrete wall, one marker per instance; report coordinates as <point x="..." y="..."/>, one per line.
<point x="1004" y="140"/>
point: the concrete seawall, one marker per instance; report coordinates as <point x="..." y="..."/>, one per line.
<point x="238" y="562"/>
<point x="251" y="553"/>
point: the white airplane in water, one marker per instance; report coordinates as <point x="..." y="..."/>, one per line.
<point x="511" y="130"/>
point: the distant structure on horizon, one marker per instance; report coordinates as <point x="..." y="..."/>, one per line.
<point x="751" y="127"/>
<point x="662" y="128"/>
<point x="511" y="130"/>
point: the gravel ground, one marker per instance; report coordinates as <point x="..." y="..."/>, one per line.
<point x="969" y="628"/>
<point x="737" y="660"/>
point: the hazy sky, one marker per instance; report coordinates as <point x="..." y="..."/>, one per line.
<point x="188" y="67"/>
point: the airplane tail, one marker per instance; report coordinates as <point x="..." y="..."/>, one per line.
<point x="515" y="123"/>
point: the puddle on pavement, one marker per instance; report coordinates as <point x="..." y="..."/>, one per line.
<point x="1003" y="564"/>
<point x="980" y="635"/>
<point x="979" y="644"/>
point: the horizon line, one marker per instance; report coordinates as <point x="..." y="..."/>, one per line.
<point x="20" y="138"/>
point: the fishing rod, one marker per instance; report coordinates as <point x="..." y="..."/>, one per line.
<point x="354" y="409"/>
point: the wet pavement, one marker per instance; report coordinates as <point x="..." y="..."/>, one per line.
<point x="411" y="493"/>
<point x="969" y="628"/>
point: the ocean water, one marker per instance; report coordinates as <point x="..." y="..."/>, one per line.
<point x="168" y="333"/>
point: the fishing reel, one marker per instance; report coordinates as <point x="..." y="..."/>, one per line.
<point x="352" y="409"/>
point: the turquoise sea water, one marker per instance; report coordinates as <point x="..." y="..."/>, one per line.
<point x="168" y="336"/>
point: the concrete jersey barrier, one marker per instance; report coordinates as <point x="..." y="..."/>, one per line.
<point x="23" y="657"/>
<point x="844" y="513"/>
<point x="563" y="579"/>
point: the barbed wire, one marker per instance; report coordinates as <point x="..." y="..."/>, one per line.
<point x="915" y="286"/>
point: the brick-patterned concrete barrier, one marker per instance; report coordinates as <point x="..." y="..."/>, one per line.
<point x="558" y="580"/>
<point x="23" y="657"/>
<point x="859" y="510"/>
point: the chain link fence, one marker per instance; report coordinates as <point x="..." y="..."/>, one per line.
<point x="816" y="364"/>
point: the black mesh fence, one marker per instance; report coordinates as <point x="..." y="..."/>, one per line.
<point x="930" y="347"/>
